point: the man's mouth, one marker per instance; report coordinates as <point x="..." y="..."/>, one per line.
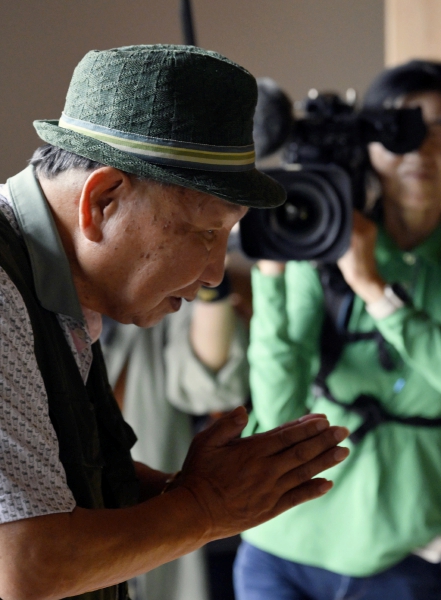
<point x="418" y="172"/>
<point x="175" y="302"/>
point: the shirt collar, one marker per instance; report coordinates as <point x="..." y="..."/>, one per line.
<point x="50" y="267"/>
<point x="429" y="250"/>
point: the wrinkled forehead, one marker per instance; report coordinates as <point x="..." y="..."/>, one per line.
<point x="192" y="205"/>
<point x="195" y="202"/>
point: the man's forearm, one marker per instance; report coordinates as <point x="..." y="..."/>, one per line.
<point x="151" y="481"/>
<point x="63" y="555"/>
<point x="227" y="485"/>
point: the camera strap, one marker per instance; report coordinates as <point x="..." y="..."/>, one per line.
<point x="373" y="413"/>
<point x="338" y="299"/>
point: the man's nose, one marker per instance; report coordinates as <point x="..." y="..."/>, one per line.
<point x="213" y="273"/>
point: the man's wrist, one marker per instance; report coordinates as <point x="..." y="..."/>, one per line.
<point x="391" y="301"/>
<point x="171" y="479"/>
<point x="370" y="290"/>
<point x="271" y="268"/>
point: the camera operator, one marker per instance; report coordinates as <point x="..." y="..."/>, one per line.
<point x="374" y="536"/>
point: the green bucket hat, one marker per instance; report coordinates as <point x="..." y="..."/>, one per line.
<point x="178" y="114"/>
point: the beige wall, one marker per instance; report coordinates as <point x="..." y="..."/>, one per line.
<point x="328" y="44"/>
<point x="412" y="30"/>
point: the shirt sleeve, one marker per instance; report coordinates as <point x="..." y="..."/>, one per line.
<point x="32" y="478"/>
<point x="191" y="386"/>
<point x="285" y="330"/>
<point x="417" y="338"/>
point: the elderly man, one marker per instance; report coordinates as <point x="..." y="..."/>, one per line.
<point x="126" y="212"/>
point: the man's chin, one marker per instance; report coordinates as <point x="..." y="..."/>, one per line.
<point x="155" y="316"/>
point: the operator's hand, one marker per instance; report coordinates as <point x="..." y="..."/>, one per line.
<point x="358" y="264"/>
<point x="242" y="482"/>
<point x="271" y="268"/>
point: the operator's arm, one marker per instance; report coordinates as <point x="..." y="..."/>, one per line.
<point x="285" y="331"/>
<point x="212" y="331"/>
<point x="414" y="332"/>
<point x="227" y="485"/>
<point x="417" y="337"/>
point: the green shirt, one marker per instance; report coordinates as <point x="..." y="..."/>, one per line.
<point x="386" y="500"/>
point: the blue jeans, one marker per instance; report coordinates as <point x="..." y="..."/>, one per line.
<point x="262" y="576"/>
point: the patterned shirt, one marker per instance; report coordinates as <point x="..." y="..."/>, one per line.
<point x="32" y="477"/>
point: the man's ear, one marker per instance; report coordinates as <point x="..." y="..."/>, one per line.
<point x="100" y="198"/>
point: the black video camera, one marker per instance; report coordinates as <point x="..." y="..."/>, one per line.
<point x="324" y="173"/>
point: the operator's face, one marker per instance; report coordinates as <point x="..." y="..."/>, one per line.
<point x="164" y="244"/>
<point x="412" y="181"/>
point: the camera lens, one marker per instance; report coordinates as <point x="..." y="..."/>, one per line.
<point x="304" y="214"/>
<point x="310" y="219"/>
<point x="313" y="224"/>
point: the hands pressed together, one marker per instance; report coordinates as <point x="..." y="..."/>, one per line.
<point x="242" y="482"/>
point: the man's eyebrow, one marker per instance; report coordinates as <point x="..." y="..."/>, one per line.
<point x="234" y="206"/>
<point x="217" y="225"/>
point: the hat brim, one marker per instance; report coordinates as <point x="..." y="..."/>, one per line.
<point x="247" y="188"/>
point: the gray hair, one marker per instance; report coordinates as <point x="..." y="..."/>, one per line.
<point x="49" y="161"/>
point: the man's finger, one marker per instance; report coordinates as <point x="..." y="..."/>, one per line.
<point x="303" y="473"/>
<point x="226" y="428"/>
<point x="312" y="447"/>
<point x="292" y="435"/>
<point x="315" y="488"/>
<point x="308" y="417"/>
<point x="229" y="427"/>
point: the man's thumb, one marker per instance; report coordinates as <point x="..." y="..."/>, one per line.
<point x="229" y="426"/>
